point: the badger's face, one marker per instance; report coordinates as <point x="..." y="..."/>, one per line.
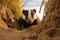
<point x="29" y="15"/>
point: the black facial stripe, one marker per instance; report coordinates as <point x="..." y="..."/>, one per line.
<point x="25" y="12"/>
<point x="34" y="10"/>
<point x="32" y="13"/>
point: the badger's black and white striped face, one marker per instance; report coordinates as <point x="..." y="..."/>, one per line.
<point x="29" y="15"/>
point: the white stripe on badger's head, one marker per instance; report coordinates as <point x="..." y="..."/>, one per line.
<point x="29" y="16"/>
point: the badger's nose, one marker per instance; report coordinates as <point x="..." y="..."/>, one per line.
<point x="29" y="21"/>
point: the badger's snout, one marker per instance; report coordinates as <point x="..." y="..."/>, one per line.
<point x="29" y="21"/>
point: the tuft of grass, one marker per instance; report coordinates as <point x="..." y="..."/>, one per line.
<point x="13" y="5"/>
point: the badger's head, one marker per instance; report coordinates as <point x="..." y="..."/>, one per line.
<point x="29" y="15"/>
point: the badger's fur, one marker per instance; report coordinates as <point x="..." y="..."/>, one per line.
<point x="28" y="18"/>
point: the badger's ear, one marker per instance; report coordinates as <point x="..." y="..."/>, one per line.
<point x="34" y="10"/>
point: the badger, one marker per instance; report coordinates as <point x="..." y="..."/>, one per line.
<point x="28" y="18"/>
